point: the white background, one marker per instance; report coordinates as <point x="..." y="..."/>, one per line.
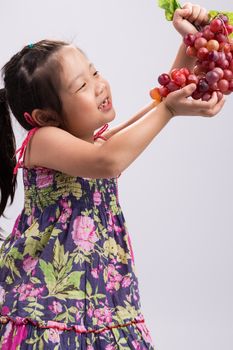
<point x="177" y="197"/>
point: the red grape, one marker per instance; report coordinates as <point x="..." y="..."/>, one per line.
<point x="228" y="74"/>
<point x="179" y="79"/>
<point x="212" y="49"/>
<point x="164" y="79"/>
<point x="206" y="96"/>
<point x="192" y="78"/>
<point x="189" y="39"/>
<point x="191" y="51"/>
<point x="202" y="85"/>
<point x="203" y="53"/>
<point x="213" y="56"/>
<point x="216" y="25"/>
<point x="223" y="85"/>
<point x="163" y="91"/>
<point x="212" y="45"/>
<point x="172" y="86"/>
<point x="212" y="77"/>
<point x="200" y="42"/>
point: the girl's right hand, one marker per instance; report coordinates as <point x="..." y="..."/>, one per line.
<point x="178" y="103"/>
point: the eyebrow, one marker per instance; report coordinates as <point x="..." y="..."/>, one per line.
<point x="77" y="76"/>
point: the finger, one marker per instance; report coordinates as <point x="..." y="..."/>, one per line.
<point x="216" y="109"/>
<point x="187" y="90"/>
<point x="187" y="5"/>
<point x="181" y="13"/>
<point x="195" y="13"/>
<point x="202" y="18"/>
<point x="208" y="108"/>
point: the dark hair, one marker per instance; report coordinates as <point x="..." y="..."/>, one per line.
<point x="32" y="80"/>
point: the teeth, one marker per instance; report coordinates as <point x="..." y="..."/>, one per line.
<point x="103" y="103"/>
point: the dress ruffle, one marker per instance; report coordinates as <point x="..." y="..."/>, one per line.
<point x="29" y="334"/>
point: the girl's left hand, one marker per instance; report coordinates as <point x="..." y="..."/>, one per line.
<point x="189" y="15"/>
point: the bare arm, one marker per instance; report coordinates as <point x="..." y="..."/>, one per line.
<point x="182" y="60"/>
<point x="128" y="143"/>
<point x="109" y="133"/>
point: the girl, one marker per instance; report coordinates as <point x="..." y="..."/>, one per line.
<point x="67" y="271"/>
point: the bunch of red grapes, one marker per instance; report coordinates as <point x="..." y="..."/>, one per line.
<point x="213" y="70"/>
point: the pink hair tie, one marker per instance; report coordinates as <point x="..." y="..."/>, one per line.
<point x="29" y="119"/>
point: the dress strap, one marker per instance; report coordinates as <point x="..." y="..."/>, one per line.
<point x="98" y="133"/>
<point x="22" y="149"/>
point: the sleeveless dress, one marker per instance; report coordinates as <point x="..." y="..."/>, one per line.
<point x="67" y="272"/>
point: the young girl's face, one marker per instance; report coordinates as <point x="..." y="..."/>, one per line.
<point x="83" y="90"/>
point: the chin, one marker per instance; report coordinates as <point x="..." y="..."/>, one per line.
<point x="113" y="114"/>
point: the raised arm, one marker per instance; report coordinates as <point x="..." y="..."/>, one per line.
<point x="183" y="21"/>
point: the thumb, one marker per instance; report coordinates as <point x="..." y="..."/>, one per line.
<point x="188" y="90"/>
<point x="184" y="12"/>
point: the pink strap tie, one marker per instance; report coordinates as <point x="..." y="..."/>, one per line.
<point x="98" y="134"/>
<point x="22" y="148"/>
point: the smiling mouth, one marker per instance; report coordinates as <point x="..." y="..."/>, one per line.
<point x="104" y="104"/>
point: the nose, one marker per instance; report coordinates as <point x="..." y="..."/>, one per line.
<point x="100" y="88"/>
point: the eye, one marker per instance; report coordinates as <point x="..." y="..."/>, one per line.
<point x="96" y="73"/>
<point x="81" y="87"/>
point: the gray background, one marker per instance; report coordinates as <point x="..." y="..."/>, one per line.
<point x="177" y="197"/>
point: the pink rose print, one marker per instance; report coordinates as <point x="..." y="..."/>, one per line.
<point x="29" y="264"/>
<point x="90" y="311"/>
<point x="83" y="232"/>
<point x="28" y="290"/>
<point x="103" y="315"/>
<point x="97" y="198"/>
<point x="90" y="347"/>
<point x="114" y="277"/>
<point x="126" y="282"/>
<point x="43" y="179"/>
<point x="54" y="335"/>
<point x="110" y="347"/>
<point x="95" y="271"/>
<point x="56" y="307"/>
<point x="112" y="223"/>
<point x="65" y="214"/>
<point x="80" y="304"/>
<point x="5" y="310"/>
<point x="136" y="345"/>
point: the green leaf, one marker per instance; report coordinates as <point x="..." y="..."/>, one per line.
<point x="72" y="294"/>
<point x="48" y="274"/>
<point x="74" y="278"/>
<point x="169" y="6"/>
<point x="35" y="280"/>
<point x="60" y="259"/>
<point x="88" y="288"/>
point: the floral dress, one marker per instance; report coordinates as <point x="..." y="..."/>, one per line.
<point x="67" y="272"/>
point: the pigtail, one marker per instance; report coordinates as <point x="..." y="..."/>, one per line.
<point x="8" y="181"/>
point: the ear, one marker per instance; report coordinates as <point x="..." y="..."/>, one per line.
<point x="45" y="118"/>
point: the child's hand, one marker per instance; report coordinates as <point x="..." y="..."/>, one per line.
<point x="177" y="103"/>
<point x="189" y="15"/>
